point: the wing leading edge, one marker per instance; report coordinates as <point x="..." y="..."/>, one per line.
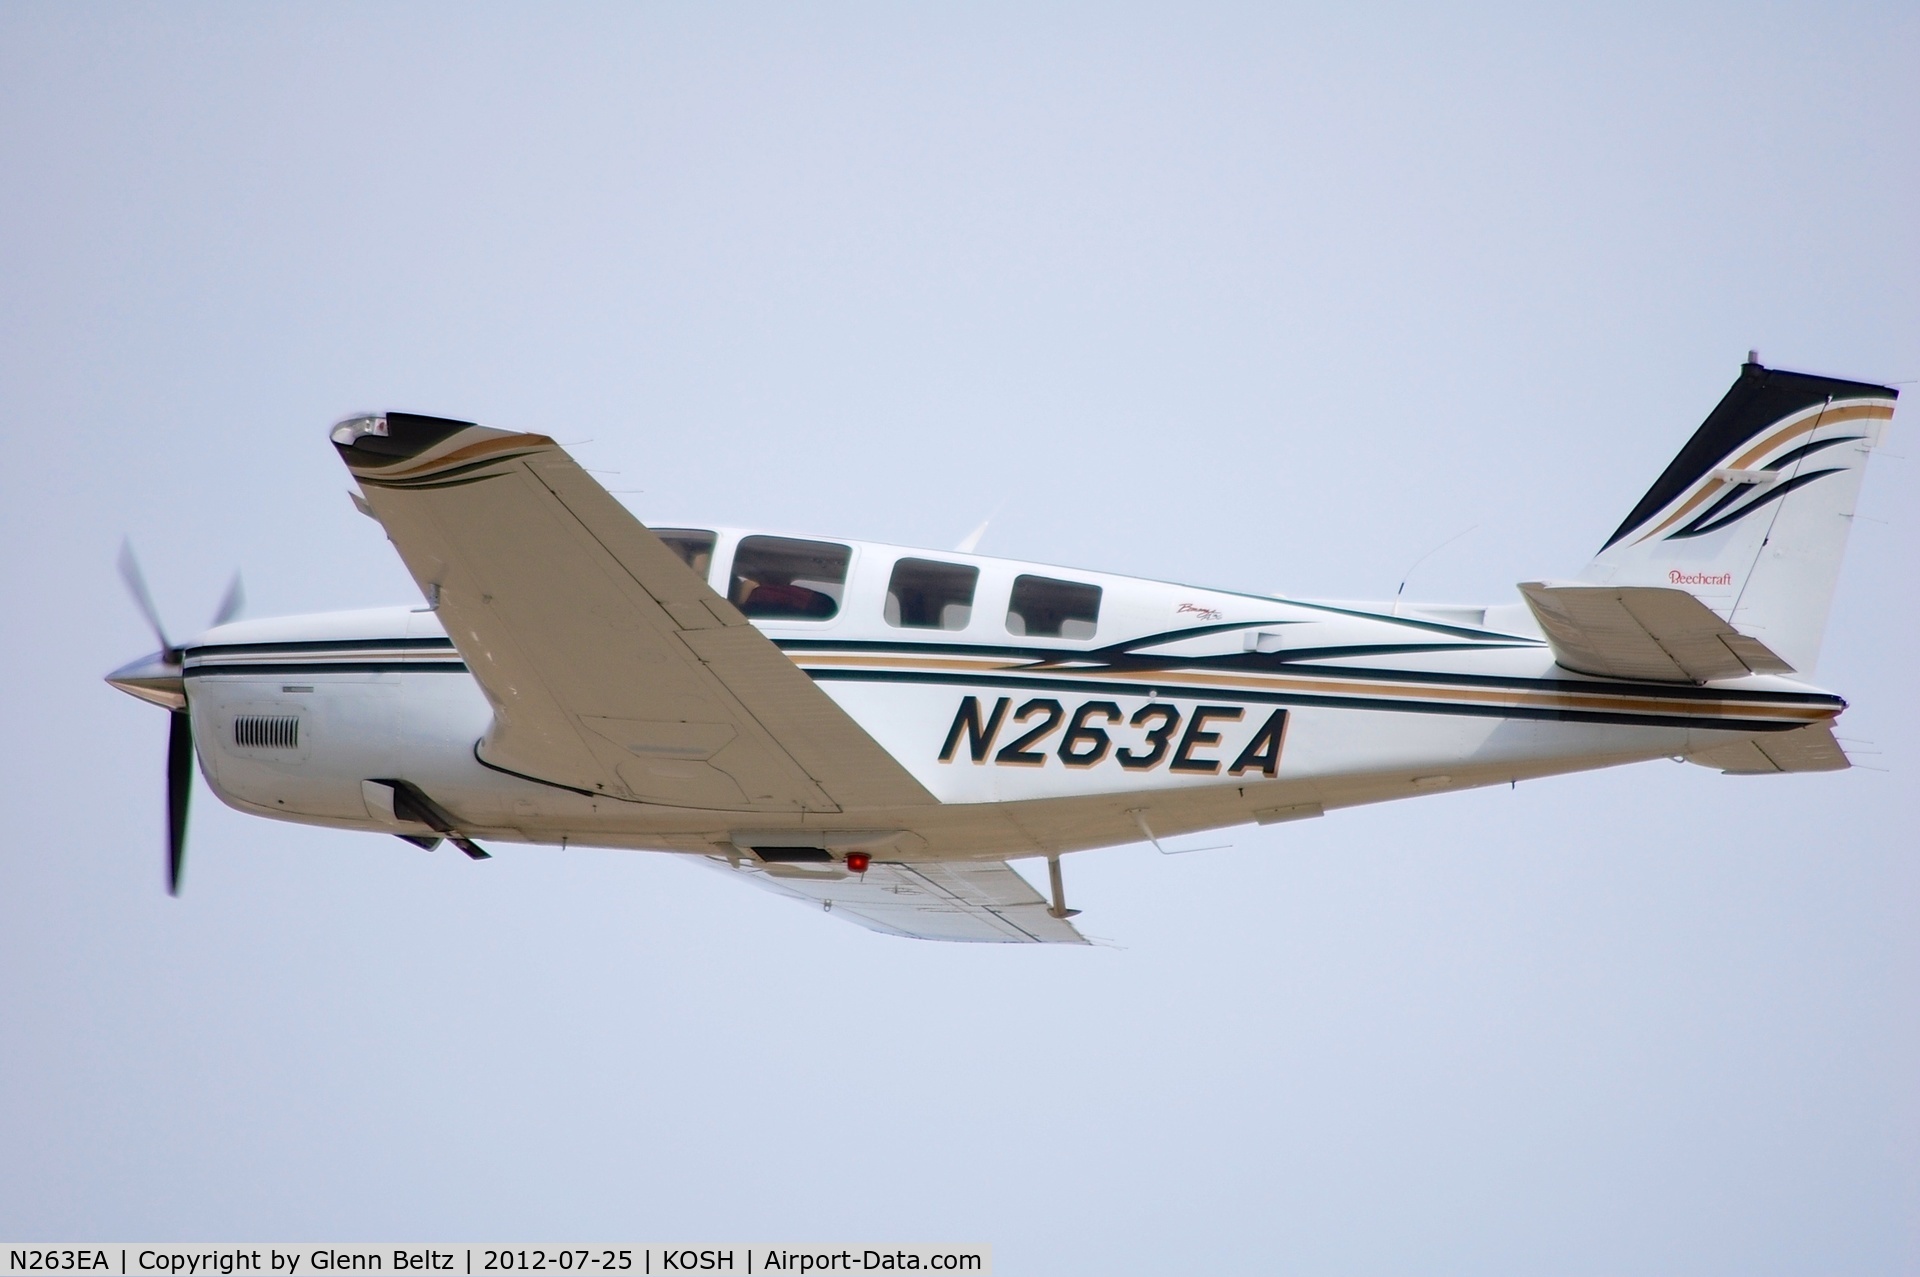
<point x="611" y="667"/>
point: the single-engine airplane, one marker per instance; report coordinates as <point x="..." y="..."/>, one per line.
<point x="878" y="730"/>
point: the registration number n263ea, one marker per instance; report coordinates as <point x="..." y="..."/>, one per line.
<point x="1094" y="731"/>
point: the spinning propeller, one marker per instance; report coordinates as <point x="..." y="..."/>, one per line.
<point x="160" y="678"/>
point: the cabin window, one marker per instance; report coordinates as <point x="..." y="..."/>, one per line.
<point x="694" y="547"/>
<point x="1045" y="608"/>
<point x="927" y="595"/>
<point x="777" y="576"/>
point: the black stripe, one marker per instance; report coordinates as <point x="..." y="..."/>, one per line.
<point x="1461" y="631"/>
<point x="449" y="472"/>
<point x="328" y="645"/>
<point x="1306" y="698"/>
<point x="1119" y="658"/>
<point x="1041" y="656"/>
<point x="1486" y="638"/>
<point x="1699" y="529"/>
<point x="1808" y="449"/>
<point x="1248" y="662"/>
<point x="427" y="483"/>
<point x="1737" y="492"/>
<point x="1278" y="663"/>
<point x="337" y="667"/>
<point x="1620" y="687"/>
<point x="551" y="784"/>
<point x="1285" y="661"/>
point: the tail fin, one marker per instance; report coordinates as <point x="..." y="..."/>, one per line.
<point x="1752" y="516"/>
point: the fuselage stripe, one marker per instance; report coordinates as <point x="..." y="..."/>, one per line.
<point x="1782" y="718"/>
<point x="1375" y="689"/>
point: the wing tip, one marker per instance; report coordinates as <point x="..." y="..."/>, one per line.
<point x="412" y="446"/>
<point x="385" y="439"/>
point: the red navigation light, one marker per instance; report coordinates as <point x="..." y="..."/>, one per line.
<point x="858" y="861"/>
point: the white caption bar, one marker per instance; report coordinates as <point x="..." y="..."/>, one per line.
<point x="120" y="1259"/>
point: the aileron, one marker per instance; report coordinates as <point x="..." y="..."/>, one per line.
<point x="982" y="902"/>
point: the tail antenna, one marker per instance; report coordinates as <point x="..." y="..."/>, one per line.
<point x="1408" y="574"/>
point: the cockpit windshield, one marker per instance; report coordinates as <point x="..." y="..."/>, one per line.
<point x="695" y="547"/>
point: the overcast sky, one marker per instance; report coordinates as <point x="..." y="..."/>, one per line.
<point x="1239" y="296"/>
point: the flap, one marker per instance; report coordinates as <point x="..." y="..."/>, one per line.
<point x="1805" y="749"/>
<point x="979" y="901"/>
<point x="611" y="667"/>
<point x="1644" y="632"/>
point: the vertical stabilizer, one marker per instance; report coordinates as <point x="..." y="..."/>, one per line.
<point x="1752" y="517"/>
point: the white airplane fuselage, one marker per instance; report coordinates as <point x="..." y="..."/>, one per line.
<point x="1182" y="709"/>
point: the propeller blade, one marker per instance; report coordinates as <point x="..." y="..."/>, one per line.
<point x="137" y="586"/>
<point x="236" y="598"/>
<point x="179" y="789"/>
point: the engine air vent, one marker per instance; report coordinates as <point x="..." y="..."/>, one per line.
<point x="793" y="855"/>
<point x="266" y="731"/>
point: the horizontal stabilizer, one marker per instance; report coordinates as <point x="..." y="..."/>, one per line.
<point x="1644" y="632"/>
<point x="980" y="901"/>
<point x="1807" y="749"/>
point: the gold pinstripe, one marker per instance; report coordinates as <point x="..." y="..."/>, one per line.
<point x="472" y="451"/>
<point x="1832" y="417"/>
<point x="1411" y="689"/>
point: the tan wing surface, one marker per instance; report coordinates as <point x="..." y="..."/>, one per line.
<point x="612" y="668"/>
<point x="982" y="902"/>
<point x="1644" y="632"/>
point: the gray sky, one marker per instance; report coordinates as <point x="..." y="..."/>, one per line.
<point x="1239" y="296"/>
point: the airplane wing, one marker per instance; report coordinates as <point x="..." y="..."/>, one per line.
<point x="612" y="668"/>
<point x="984" y="902"/>
<point x="1644" y="632"/>
<point x="1805" y="749"/>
